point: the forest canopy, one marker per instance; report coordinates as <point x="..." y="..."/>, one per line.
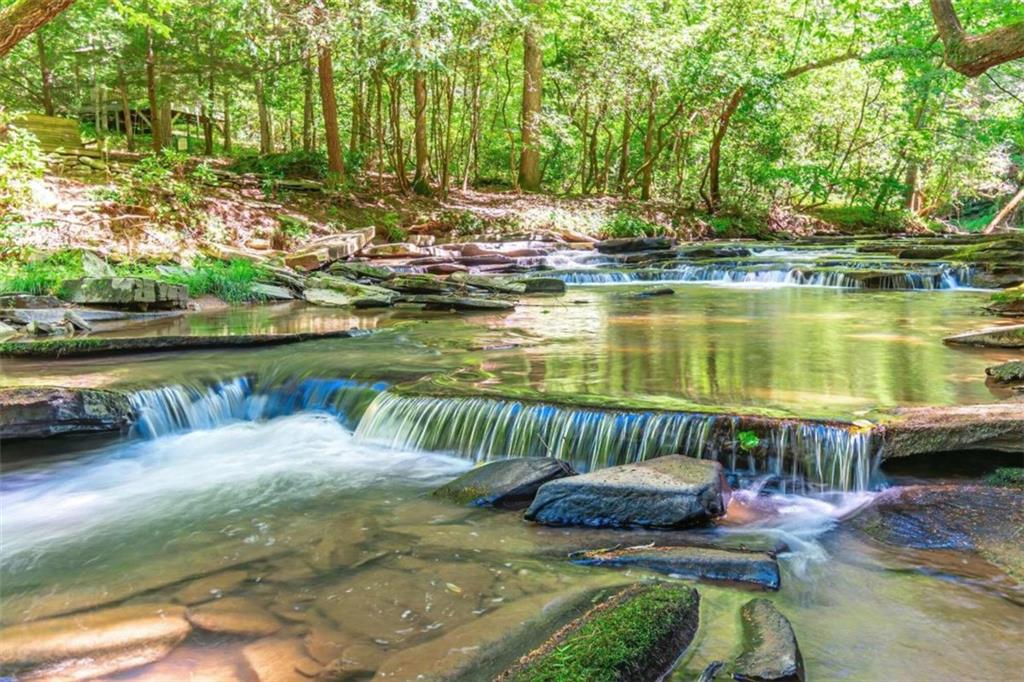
<point x="710" y="104"/>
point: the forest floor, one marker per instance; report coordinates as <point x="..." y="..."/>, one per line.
<point x="251" y="211"/>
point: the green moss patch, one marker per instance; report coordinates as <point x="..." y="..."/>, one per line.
<point x="1007" y="477"/>
<point x="1008" y="372"/>
<point x="635" y="635"/>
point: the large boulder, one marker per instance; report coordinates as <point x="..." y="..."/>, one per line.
<point x="665" y="492"/>
<point x="42" y="412"/>
<point x="634" y="244"/>
<point x="770" y="651"/>
<point x="981" y="519"/>
<point x="636" y="634"/>
<point x="694" y="563"/>
<point x="125" y="292"/>
<point x="506" y="484"/>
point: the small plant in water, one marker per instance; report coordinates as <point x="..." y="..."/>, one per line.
<point x="748" y="440"/>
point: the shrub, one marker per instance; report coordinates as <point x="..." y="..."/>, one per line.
<point x="390" y="228"/>
<point x="43" y="275"/>
<point x="624" y="224"/>
<point x="21" y="161"/>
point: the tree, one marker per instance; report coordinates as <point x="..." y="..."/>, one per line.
<point x="329" y="104"/>
<point x="973" y="55"/>
<point x="529" y="156"/>
<point x="25" y="16"/>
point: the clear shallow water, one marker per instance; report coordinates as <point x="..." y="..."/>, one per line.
<point x="332" y="531"/>
<point x="333" y="535"/>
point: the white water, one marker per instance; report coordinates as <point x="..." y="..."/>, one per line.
<point x="246" y="465"/>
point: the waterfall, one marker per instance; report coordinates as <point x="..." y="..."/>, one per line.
<point x="176" y="408"/>
<point x="944" y="277"/>
<point x="804" y="455"/>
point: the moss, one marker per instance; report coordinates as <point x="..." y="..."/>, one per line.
<point x="1014" y="295"/>
<point x="460" y="495"/>
<point x="1007" y="372"/>
<point x="1007" y="477"/>
<point x="49" y="347"/>
<point x="636" y="634"/>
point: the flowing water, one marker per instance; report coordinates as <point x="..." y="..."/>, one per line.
<point x="298" y="476"/>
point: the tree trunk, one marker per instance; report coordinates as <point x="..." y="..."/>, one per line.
<point x="714" y="198"/>
<point x="25" y="16"/>
<point x="529" y="157"/>
<point x="627" y="133"/>
<point x="1007" y="210"/>
<point x="420" y="181"/>
<point x="154" y="108"/>
<point x="208" y="118"/>
<point x="47" y="75"/>
<point x="648" y="174"/>
<point x="266" y="134"/>
<point x="227" y="121"/>
<point x="973" y="55"/>
<point x="166" y="122"/>
<point x="325" y="70"/>
<point x="307" y="105"/>
<point x="126" y="110"/>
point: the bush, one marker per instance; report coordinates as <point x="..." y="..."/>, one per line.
<point x="390" y="228"/>
<point x="21" y="161"/>
<point x="297" y="164"/>
<point x="45" y="275"/>
<point x="624" y="224"/>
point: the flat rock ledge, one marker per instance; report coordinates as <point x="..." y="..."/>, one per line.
<point x="77" y="346"/>
<point x="694" y="563"/>
<point x="636" y="634"/>
<point x="664" y="492"/>
<point x="505" y="484"/>
<point x="1006" y="336"/>
<point x="922" y="430"/>
<point x="770" y="650"/>
<point x="92" y="644"/>
<point x="44" y="412"/>
<point x="126" y="292"/>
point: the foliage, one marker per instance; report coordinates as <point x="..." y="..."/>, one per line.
<point x="748" y="440"/>
<point x="40" y="275"/>
<point x="295" y="164"/>
<point x="624" y="224"/>
<point x="20" y="162"/>
<point x="164" y="183"/>
<point x="391" y="229"/>
<point x="229" y="281"/>
<point x="1009" y="477"/>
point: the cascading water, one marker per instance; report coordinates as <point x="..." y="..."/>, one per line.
<point x="176" y="408"/>
<point x="803" y="455"/>
<point x="944" y="277"/>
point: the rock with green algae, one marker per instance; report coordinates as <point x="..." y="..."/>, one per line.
<point x="1008" y="303"/>
<point x="1007" y="477"/>
<point x="543" y="285"/>
<point x="125" y="292"/>
<point x="505" y="484"/>
<point x="636" y="634"/>
<point x="462" y="303"/>
<point x="770" y="650"/>
<point x="1004" y="336"/>
<point x="39" y="412"/>
<point x="1008" y="372"/>
<point x="494" y="284"/>
<point x="695" y="563"/>
<point x="665" y="492"/>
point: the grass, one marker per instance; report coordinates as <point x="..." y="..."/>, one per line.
<point x="624" y="225"/>
<point x="1007" y="477"/>
<point x="230" y="281"/>
<point x="858" y="219"/>
<point x="623" y="639"/>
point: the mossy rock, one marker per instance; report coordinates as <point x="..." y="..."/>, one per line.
<point x="1008" y="372"/>
<point x="44" y="412"/>
<point x="770" y="650"/>
<point x="505" y="484"/>
<point x="637" y="635"/>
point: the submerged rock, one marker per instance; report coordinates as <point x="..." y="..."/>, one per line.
<point x="280" y="659"/>
<point x="970" y="518"/>
<point x="634" y="244"/>
<point x="544" y="285"/>
<point x="43" y="412"/>
<point x="93" y="643"/>
<point x="770" y="650"/>
<point x="1008" y="372"/>
<point x="506" y="484"/>
<point x="696" y="563"/>
<point x="1006" y="336"/>
<point x="650" y="293"/>
<point x="636" y="634"/>
<point x="665" y="492"/>
<point x="430" y="302"/>
<point x="128" y="292"/>
<point x="234" y="616"/>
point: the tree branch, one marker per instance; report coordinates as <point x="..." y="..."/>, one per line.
<point x="973" y="55"/>
<point x="25" y="16"/>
